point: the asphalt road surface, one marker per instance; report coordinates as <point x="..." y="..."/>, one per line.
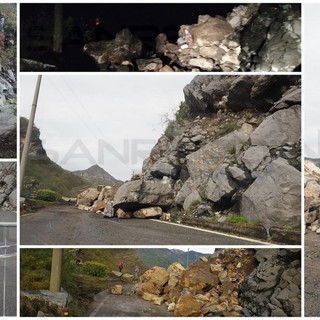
<point x="66" y="225"/>
<point x="312" y="274"/>
<point x="125" y="305"/>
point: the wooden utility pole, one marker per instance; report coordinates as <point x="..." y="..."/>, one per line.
<point x="56" y="266"/>
<point x="25" y="152"/>
<point x="58" y="27"/>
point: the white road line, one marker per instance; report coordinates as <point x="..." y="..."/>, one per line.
<point x="211" y="231"/>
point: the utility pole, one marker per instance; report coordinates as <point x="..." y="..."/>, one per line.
<point x="188" y="258"/>
<point x="56" y="266"/>
<point x="26" y="147"/>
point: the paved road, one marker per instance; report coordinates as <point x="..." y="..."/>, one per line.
<point x="66" y="225"/>
<point x="125" y="305"/>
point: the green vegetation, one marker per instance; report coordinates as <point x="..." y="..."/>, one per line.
<point x="194" y="204"/>
<point x="47" y="195"/>
<point x="237" y="218"/>
<point x="182" y="113"/>
<point x="180" y="116"/>
<point x="175" y="213"/>
<point x="94" y="269"/>
<point x="84" y="272"/>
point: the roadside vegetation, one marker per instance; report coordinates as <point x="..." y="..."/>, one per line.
<point x="85" y="272"/>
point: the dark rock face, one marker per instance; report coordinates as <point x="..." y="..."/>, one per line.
<point x="238" y="150"/>
<point x="273" y="289"/>
<point x="271" y="41"/>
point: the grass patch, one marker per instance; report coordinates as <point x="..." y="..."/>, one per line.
<point x="175" y="214"/>
<point x="239" y="219"/>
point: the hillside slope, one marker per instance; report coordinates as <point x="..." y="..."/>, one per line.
<point x="43" y="173"/>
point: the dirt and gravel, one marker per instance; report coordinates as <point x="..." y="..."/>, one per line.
<point x="312" y="273"/>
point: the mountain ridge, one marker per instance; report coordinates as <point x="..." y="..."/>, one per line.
<point x="96" y="175"/>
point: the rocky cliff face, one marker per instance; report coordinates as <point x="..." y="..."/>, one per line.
<point x="8" y="185"/>
<point x="8" y="137"/>
<point x="233" y="148"/>
<point x="312" y="195"/>
<point x="232" y="282"/>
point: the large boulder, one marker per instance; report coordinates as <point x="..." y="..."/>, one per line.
<point x="207" y="94"/>
<point x="187" y="306"/>
<point x="220" y="185"/>
<point x="254" y="156"/>
<point x="125" y="47"/>
<point x="153" y="298"/>
<point x="291" y="97"/>
<point x="117" y="289"/>
<point x="274" y="35"/>
<point x="281" y="127"/>
<point x="161" y="169"/>
<point x="126" y="277"/>
<point x="203" y="93"/>
<point x="211" y="44"/>
<point x="88" y="197"/>
<point x="198" y="277"/>
<point x="98" y="205"/>
<point x="152" y="212"/>
<point x="184" y="192"/>
<point x="206" y="160"/>
<point x="157" y="275"/>
<point x="138" y="194"/>
<point x="153" y="280"/>
<point x="274" y="198"/>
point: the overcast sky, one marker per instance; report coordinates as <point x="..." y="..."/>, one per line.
<point x="112" y="120"/>
<point x="310" y="83"/>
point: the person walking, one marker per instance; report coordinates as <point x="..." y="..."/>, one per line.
<point x="136" y="272"/>
<point x="120" y="265"/>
